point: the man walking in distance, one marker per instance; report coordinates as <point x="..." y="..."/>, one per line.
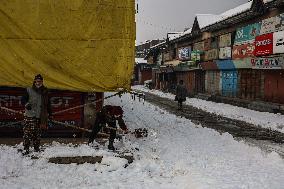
<point x="37" y="110"/>
<point x="181" y="94"/>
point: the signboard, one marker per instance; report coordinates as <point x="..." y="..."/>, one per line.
<point x="243" y="51"/>
<point x="211" y="54"/>
<point x="198" y="46"/>
<point x="225" y="40"/>
<point x="225" y="53"/>
<point x="184" y="53"/>
<point x="264" y="45"/>
<point x="278" y="42"/>
<point x="247" y="34"/>
<point x="268" y="25"/>
<point x="196" y="55"/>
<point x="268" y="63"/>
<point x="273" y="24"/>
<point x="11" y="99"/>
<point x="279" y="26"/>
<point x="60" y="100"/>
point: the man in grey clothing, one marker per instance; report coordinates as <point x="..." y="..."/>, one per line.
<point x="181" y="94"/>
<point x="37" y="110"/>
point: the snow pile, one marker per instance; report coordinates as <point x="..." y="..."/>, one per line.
<point x="174" y="35"/>
<point x="237" y="10"/>
<point x="177" y="154"/>
<point x="262" y="119"/>
<point x="207" y="19"/>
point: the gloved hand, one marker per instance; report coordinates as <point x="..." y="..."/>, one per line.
<point x="126" y="131"/>
<point x="28" y="106"/>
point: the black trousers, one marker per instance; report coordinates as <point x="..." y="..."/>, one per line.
<point x="180" y="103"/>
<point x="96" y="129"/>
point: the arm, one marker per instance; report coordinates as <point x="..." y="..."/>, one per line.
<point x="121" y="123"/>
<point x="25" y="100"/>
<point x="176" y="89"/>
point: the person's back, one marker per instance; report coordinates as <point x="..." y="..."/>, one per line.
<point x="181" y="93"/>
<point x="108" y="115"/>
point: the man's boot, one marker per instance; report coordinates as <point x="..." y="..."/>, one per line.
<point x="26" y="151"/>
<point x="110" y="146"/>
<point x="37" y="149"/>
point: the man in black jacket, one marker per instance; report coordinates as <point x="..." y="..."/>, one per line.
<point x="37" y="110"/>
<point x="108" y="115"/>
<point x="181" y="93"/>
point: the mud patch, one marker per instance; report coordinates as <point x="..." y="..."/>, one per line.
<point x="86" y="159"/>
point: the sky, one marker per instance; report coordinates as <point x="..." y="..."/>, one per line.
<point x="155" y="18"/>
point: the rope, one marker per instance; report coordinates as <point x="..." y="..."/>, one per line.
<point x="65" y="110"/>
<point x="10" y="110"/>
<point x="80" y="106"/>
<point x="76" y="127"/>
<point x="11" y="124"/>
<point x="73" y="126"/>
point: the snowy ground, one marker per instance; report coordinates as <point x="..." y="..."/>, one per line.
<point x="176" y="155"/>
<point x="262" y="119"/>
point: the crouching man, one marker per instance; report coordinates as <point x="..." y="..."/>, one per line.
<point x="37" y="110"/>
<point x="108" y="115"/>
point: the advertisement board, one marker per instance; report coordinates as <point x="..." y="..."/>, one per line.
<point x="268" y="25"/>
<point x="278" y="42"/>
<point x="211" y="54"/>
<point x="264" y="45"/>
<point x="268" y="63"/>
<point x="60" y="100"/>
<point x="184" y="53"/>
<point x="225" y="53"/>
<point x="247" y="34"/>
<point x="225" y="40"/>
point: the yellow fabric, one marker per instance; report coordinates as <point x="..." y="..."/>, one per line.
<point x="79" y="45"/>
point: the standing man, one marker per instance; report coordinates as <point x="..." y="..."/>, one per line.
<point x="181" y="94"/>
<point x="108" y="115"/>
<point x="37" y="110"/>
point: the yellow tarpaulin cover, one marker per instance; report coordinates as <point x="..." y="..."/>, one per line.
<point x="80" y="45"/>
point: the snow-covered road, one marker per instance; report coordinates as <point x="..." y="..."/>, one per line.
<point x="177" y="154"/>
<point x="262" y="119"/>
